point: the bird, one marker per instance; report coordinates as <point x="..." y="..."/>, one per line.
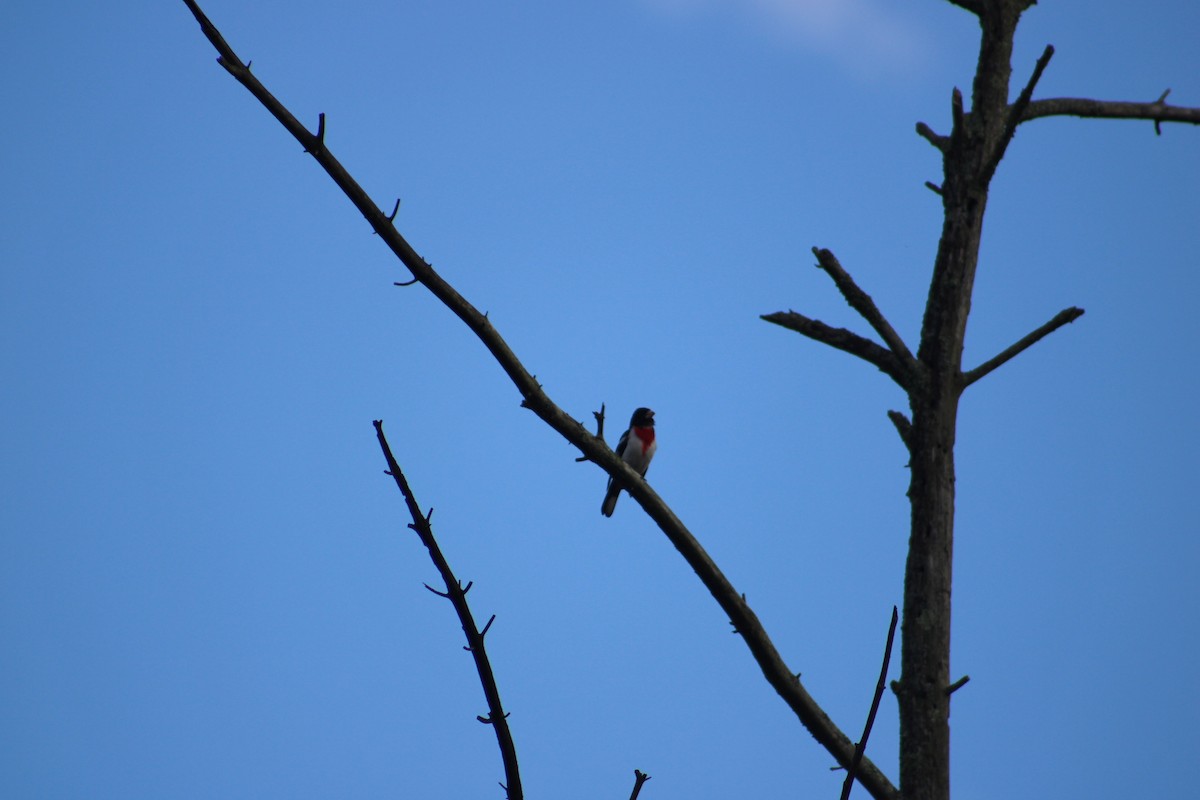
<point x="636" y="447"/>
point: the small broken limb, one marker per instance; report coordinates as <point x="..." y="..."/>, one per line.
<point x="319" y="139"/>
<point x="958" y="684"/>
<point x="488" y="719"/>
<point x="937" y="140"/>
<point x="903" y="427"/>
<point x="599" y="415"/>
<point x="1157" y="122"/>
<point x="639" y="778"/>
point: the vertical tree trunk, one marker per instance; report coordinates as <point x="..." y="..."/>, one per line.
<point x="925" y="655"/>
<point x="970" y="155"/>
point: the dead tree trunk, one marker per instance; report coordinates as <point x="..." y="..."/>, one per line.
<point x="935" y="380"/>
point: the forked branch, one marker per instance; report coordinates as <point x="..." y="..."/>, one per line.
<point x="861" y="302"/>
<point x="639" y="779"/>
<point x="457" y="595"/>
<point x="844" y="340"/>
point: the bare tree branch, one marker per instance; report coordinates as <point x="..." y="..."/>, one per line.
<point x="639" y="778"/>
<point x="861" y="302"/>
<point x="599" y="415"/>
<point x="848" y="784"/>
<point x="1017" y="109"/>
<point x="774" y="669"/>
<point x="457" y="595"/>
<point x="958" y="684"/>
<point x="935" y="139"/>
<point x="1067" y="315"/>
<point x="1158" y="111"/>
<point x="845" y="340"/>
<point x="903" y="427"/>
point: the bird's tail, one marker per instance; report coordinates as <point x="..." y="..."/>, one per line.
<point x="610" y="501"/>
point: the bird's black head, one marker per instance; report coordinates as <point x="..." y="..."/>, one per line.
<point x="642" y="418"/>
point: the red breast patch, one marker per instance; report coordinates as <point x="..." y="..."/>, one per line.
<point x="645" y="435"/>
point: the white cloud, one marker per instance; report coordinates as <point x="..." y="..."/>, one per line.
<point x="865" y="35"/>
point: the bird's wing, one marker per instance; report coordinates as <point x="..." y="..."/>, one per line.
<point x="624" y="440"/>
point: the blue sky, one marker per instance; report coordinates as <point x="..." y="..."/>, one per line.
<point x="206" y="586"/>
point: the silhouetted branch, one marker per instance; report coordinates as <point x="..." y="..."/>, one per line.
<point x="956" y="111"/>
<point x="937" y="140"/>
<point x="958" y="684"/>
<point x="862" y="743"/>
<point x="639" y="778"/>
<point x="1017" y="109"/>
<point x="844" y="340"/>
<point x="903" y="427"/>
<point x="774" y="669"/>
<point x="457" y="595"/>
<point x="861" y="302"/>
<point x="1067" y="315"/>
<point x="1158" y="111"/>
<point x="599" y="415"/>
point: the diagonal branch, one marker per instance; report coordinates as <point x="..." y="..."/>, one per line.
<point x="861" y="302"/>
<point x="1157" y="112"/>
<point x="457" y="595"/>
<point x="844" y="340"/>
<point x="848" y="784"/>
<point x="774" y="669"/>
<point x="1067" y="315"/>
<point x="936" y="139"/>
<point x="1017" y="110"/>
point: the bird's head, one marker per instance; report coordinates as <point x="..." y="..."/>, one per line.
<point x="642" y="418"/>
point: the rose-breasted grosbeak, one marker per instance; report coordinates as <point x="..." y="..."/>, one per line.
<point x="636" y="447"/>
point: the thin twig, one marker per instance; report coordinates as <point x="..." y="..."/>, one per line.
<point x="862" y="743"/>
<point x="1067" y="315"/>
<point x="599" y="415"/>
<point x="457" y="595"/>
